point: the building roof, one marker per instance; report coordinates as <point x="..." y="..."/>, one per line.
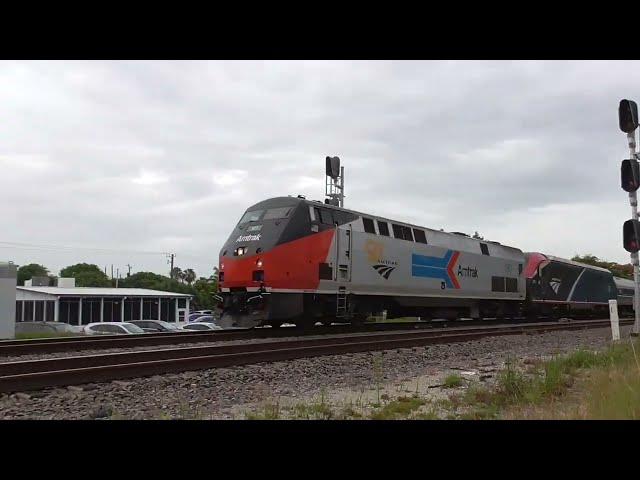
<point x="103" y="292"/>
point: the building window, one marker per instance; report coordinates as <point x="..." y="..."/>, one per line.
<point x="39" y="313"/>
<point x="19" y="311"/>
<point x="368" y="225"/>
<point x="383" y="228"/>
<point x="28" y="311"/>
<point x="419" y="235"/>
<point x="484" y="249"/>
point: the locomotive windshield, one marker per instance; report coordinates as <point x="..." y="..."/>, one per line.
<point x="252" y="216"/>
<point x="271" y="214"/>
<point x="274" y="213"/>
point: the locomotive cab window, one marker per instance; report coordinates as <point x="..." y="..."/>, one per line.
<point x="397" y="231"/>
<point x="326" y="217"/>
<point x="419" y="235"/>
<point x="252" y="216"/>
<point x="484" y="249"/>
<point x="274" y="213"/>
<point x="368" y="225"/>
<point x="383" y="228"/>
<point x="406" y="231"/>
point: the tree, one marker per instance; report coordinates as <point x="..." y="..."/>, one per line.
<point x="27" y="272"/>
<point x="618" y="270"/>
<point x="202" y="289"/>
<point x="189" y="276"/>
<point x="177" y="274"/>
<point x="86" y="275"/>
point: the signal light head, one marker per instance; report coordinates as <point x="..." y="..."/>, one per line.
<point x="628" y="115"/>
<point x="631" y="236"/>
<point x="630" y="175"/>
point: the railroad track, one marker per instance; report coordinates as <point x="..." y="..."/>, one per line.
<point x="52" y="372"/>
<point x="100" y="342"/>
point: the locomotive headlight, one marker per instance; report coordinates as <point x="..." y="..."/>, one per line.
<point x="259" y="263"/>
<point x="222" y="266"/>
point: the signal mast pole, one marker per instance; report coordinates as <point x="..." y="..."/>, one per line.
<point x="633" y="201"/>
<point x="334" y="186"/>
<point x="630" y="182"/>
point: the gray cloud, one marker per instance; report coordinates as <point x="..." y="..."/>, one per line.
<point x="165" y="156"/>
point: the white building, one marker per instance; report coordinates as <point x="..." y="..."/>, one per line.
<point x="7" y="299"/>
<point x="82" y="305"/>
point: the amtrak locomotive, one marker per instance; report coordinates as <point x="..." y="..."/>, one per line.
<point x="300" y="261"/>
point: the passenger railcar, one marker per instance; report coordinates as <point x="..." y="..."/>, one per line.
<point x="626" y="290"/>
<point x="293" y="260"/>
<point x="556" y="286"/>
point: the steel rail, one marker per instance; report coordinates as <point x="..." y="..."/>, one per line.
<point x="35" y="374"/>
<point x="99" y="342"/>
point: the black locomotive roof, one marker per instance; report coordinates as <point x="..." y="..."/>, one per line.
<point x="378" y="217"/>
<point x="277" y="202"/>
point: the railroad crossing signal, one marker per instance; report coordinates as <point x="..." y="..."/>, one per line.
<point x="630" y="175"/>
<point x="628" y="116"/>
<point x="630" y="181"/>
<point x="631" y="236"/>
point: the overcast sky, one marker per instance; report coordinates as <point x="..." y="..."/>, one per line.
<point x="141" y="157"/>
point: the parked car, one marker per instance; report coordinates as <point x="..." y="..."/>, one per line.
<point x="194" y="316"/>
<point x="206" y="319"/>
<point x="112" y="328"/>
<point x="201" y="326"/>
<point x="48" y="327"/>
<point x="155" y="326"/>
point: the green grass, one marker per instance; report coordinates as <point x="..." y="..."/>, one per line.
<point x="611" y="388"/>
<point x="453" y="381"/>
<point x="400" y="408"/>
<point x="270" y="411"/>
<point x="392" y="320"/>
<point x="38" y="335"/>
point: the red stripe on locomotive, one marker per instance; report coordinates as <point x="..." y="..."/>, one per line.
<point x="292" y="265"/>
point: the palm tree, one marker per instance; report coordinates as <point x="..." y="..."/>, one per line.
<point x="177" y="274"/>
<point x="189" y="276"/>
<point x="215" y="273"/>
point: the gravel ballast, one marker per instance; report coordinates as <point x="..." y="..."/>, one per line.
<point x="227" y="393"/>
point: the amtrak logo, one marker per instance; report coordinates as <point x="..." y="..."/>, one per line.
<point x="384" y="270"/>
<point x="555" y="284"/>
<point x="375" y="251"/>
<point x="249" y="238"/>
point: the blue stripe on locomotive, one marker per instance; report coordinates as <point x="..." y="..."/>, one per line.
<point x="432" y="267"/>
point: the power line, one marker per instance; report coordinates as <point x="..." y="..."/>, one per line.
<point x="73" y="249"/>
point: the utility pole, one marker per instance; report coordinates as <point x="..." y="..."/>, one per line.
<point x="170" y="257"/>
<point x="129" y="272"/>
<point x="630" y="182"/>
<point x="117" y="276"/>
<point x="112" y="271"/>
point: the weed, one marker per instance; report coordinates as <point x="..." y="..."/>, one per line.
<point x="453" y="381"/>
<point x="401" y="407"/>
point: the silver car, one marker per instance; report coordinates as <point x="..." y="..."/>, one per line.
<point x="112" y="328"/>
<point x="202" y="326"/>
